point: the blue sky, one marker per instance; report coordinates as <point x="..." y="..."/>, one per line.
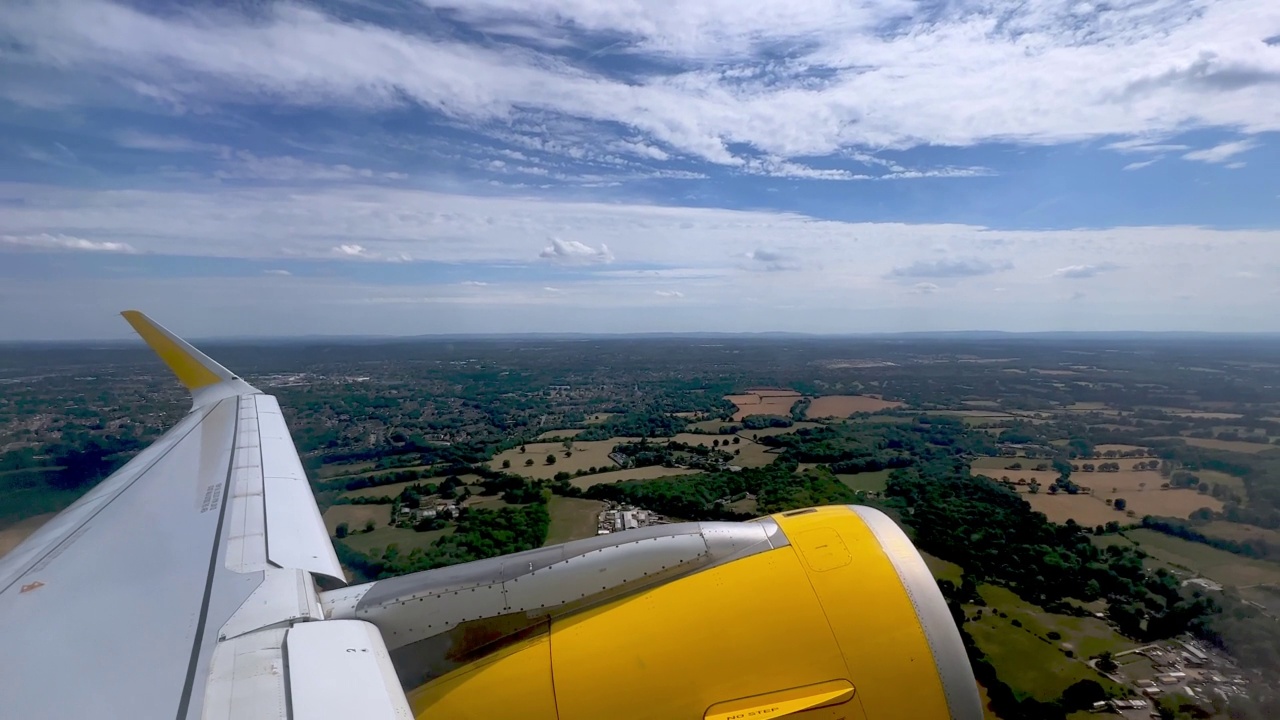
<point x="417" y="166"/>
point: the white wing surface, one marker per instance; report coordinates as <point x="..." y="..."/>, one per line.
<point x="176" y="587"/>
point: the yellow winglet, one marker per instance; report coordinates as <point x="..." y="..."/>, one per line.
<point x="195" y="370"/>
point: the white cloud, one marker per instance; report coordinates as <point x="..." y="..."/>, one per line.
<point x="136" y="140"/>
<point x="668" y="293"/>
<point x="473" y="283"/>
<point x="1222" y="153"/>
<point x="352" y="250"/>
<point x="964" y="73"/>
<point x="240" y="164"/>
<point x="641" y="149"/>
<point x="950" y="267"/>
<point x="232" y="164"/>
<point x="842" y="276"/>
<point x="1080" y="272"/>
<point x="1142" y="145"/>
<point x="655" y="241"/>
<point x="281" y="273"/>
<point x="774" y="166"/>
<point x="1234" y="165"/>
<point x="65" y="242"/>
<point x="1142" y="164"/>
<point x="572" y="252"/>
<point x="924" y="288"/>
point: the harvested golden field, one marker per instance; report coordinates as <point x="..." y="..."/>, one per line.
<point x="13" y="535"/>
<point x="1125" y="481"/>
<point x="763" y="402"/>
<point x="1084" y="509"/>
<point x="1093" y="510"/>
<point x="572" y="518"/>
<point x="486" y="502"/>
<point x="1240" y="532"/>
<point x="1227" y="445"/>
<point x="1178" y="503"/>
<point x="594" y="453"/>
<point x="566" y="433"/>
<point x="1116" y="447"/>
<point x="1086" y="406"/>
<point x="842" y="406"/>
<point x="641" y="473"/>
<point x="769" y="432"/>
<point x="1205" y="415"/>
<point x="997" y="469"/>
<point x="751" y="454"/>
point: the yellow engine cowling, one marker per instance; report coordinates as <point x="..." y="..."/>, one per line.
<point x="843" y="622"/>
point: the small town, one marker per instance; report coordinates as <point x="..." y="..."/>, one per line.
<point x="1179" y="666"/>
<point x="619" y="518"/>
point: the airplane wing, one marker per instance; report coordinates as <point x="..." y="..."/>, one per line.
<point x="183" y="585"/>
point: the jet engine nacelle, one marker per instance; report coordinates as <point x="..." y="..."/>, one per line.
<point x="818" y="613"/>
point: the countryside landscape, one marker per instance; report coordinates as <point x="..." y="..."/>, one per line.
<point x="1101" y="512"/>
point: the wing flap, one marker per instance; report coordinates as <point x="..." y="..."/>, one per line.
<point x="296" y="535"/>
<point x="341" y="669"/>
<point x="246" y="678"/>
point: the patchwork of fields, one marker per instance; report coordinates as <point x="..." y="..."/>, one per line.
<point x="572" y="518"/>
<point x="641" y="473"/>
<point x="842" y="406"/>
<point x="1140" y="489"/>
<point x="1227" y="445"/>
<point x="1218" y="565"/>
<point x="1093" y="510"/>
<point x="1025" y="657"/>
<point x="763" y="402"/>
<point x="583" y="455"/>
<point x="13" y="535"/>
